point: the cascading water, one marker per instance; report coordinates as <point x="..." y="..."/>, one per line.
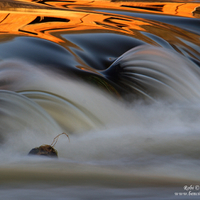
<point x="122" y="80"/>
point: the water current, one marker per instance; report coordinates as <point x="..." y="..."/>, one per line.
<point x="121" y="78"/>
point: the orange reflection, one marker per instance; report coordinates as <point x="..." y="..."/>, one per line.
<point x="169" y="8"/>
<point x="53" y="18"/>
<point x="186" y="9"/>
<point x="26" y="21"/>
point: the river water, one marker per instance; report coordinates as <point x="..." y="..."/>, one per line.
<point x="121" y="78"/>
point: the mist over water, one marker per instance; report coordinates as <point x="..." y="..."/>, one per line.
<point x="125" y="87"/>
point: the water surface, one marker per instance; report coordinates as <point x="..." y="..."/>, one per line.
<point x="121" y="78"/>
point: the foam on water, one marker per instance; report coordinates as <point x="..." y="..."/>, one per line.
<point x="112" y="143"/>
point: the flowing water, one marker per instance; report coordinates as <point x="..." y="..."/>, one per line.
<point x="121" y="78"/>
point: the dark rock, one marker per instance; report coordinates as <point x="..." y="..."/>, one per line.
<point x="44" y="150"/>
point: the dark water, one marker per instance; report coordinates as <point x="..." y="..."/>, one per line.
<point x="121" y="78"/>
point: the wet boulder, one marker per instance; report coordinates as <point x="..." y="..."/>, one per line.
<point x="47" y="150"/>
<point x="44" y="150"/>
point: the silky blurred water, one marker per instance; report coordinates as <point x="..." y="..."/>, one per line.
<point x="121" y="78"/>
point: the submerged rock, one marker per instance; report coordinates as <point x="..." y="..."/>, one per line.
<point x="44" y="150"/>
<point x="47" y="150"/>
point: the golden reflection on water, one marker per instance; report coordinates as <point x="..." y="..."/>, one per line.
<point x="185" y="8"/>
<point x="53" y="18"/>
